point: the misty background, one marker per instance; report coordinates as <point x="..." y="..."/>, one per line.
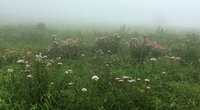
<point x="177" y="13"/>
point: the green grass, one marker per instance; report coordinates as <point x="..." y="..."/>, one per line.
<point x="45" y="85"/>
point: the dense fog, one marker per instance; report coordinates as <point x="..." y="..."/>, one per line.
<point x="179" y="13"/>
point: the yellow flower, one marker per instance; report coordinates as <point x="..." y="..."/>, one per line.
<point x="1" y="100"/>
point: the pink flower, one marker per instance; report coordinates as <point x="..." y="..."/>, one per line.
<point x="177" y="58"/>
<point x="26" y="62"/>
<point x="28" y="53"/>
<point x="49" y="64"/>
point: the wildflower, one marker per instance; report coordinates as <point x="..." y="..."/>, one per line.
<point x="66" y="72"/>
<point x="148" y="88"/>
<point x="126" y="77"/>
<point x="95" y="78"/>
<point x="109" y="51"/>
<point x="134" y="39"/>
<point x="28" y="53"/>
<point x="117" y="78"/>
<point x="59" y="63"/>
<point x="20" y="61"/>
<point x="177" y="58"/>
<point x="38" y="57"/>
<point x="172" y="104"/>
<point x="146" y="80"/>
<point x="44" y="56"/>
<point x="58" y="58"/>
<point x="138" y="79"/>
<point x="131" y="81"/>
<point x="70" y="71"/>
<point x="26" y="62"/>
<point x="118" y="36"/>
<point x="29" y="76"/>
<point x="153" y="59"/>
<point x="27" y="65"/>
<point x="172" y="57"/>
<point x="107" y="65"/>
<point x="1" y="100"/>
<point x="52" y="83"/>
<point x="163" y="73"/>
<point x="70" y="84"/>
<point x="84" y="90"/>
<point x="82" y="55"/>
<point x="121" y="80"/>
<point x="49" y="64"/>
<point x="10" y="70"/>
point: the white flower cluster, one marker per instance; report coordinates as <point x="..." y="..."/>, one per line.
<point x="40" y="57"/>
<point x="29" y="76"/>
<point x="10" y="70"/>
<point x="68" y="71"/>
<point x="84" y="90"/>
<point x="153" y="59"/>
<point x="20" y="61"/>
<point x="95" y="78"/>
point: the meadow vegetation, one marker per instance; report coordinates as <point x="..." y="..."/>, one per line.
<point x="47" y="68"/>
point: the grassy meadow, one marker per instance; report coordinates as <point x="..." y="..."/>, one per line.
<point x="97" y="68"/>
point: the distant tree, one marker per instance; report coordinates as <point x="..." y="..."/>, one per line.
<point x="40" y="26"/>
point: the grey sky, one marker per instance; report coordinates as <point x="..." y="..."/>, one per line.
<point x="165" y="12"/>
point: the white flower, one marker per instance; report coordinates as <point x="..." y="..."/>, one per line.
<point x="118" y="36"/>
<point x="131" y="81"/>
<point x="66" y="72"/>
<point x="44" y="56"/>
<point x="153" y="59"/>
<point x="84" y="90"/>
<point x="58" y="58"/>
<point x="163" y="72"/>
<point x="148" y="88"/>
<point x="10" y="70"/>
<point x="59" y="63"/>
<point x="52" y="83"/>
<point x="121" y="80"/>
<point x="26" y="70"/>
<point x="109" y="51"/>
<point x="172" y="57"/>
<point x="20" y="61"/>
<point x="139" y="79"/>
<point x="117" y="78"/>
<point x="70" y="71"/>
<point x="95" y="78"/>
<point x="146" y="80"/>
<point x="70" y="84"/>
<point x="29" y="76"/>
<point x="27" y="65"/>
<point x="82" y="55"/>
<point x="126" y="77"/>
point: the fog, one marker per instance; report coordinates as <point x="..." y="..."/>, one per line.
<point x="179" y="13"/>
